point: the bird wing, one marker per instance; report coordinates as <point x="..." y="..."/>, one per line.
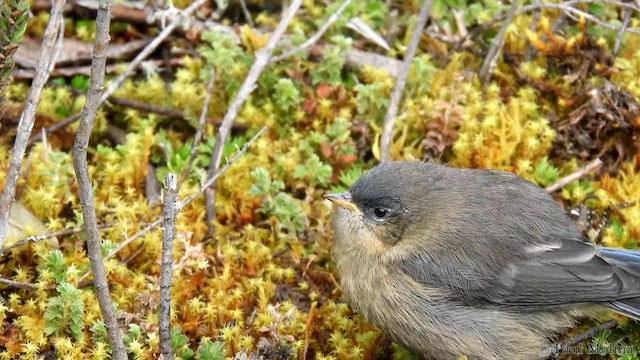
<point x="570" y="273"/>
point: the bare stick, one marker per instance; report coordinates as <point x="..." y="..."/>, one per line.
<point x="589" y="333"/>
<point x="577" y="175"/>
<point x="137" y="105"/>
<point x="28" y="115"/>
<point x="261" y="60"/>
<point x="568" y="8"/>
<point x="392" y="111"/>
<point x="529" y="51"/>
<point x="623" y="29"/>
<point x="491" y="60"/>
<point x="169" y="211"/>
<point x="313" y="39"/>
<point x="21" y="285"/>
<point x="186" y="201"/>
<point x="201" y="122"/>
<point x="246" y="13"/>
<point x="36" y="238"/>
<point x="94" y="250"/>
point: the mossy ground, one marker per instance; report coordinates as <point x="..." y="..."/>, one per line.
<point x="265" y="282"/>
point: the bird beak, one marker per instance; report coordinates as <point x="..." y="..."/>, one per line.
<point x="343" y="199"/>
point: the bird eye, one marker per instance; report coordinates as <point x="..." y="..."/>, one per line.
<point x="380" y="212"/>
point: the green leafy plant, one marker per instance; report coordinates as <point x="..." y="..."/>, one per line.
<point x="65" y="313"/>
<point x="286" y="94"/>
<point x="372" y="100"/>
<point x="224" y="53"/>
<point x="314" y="171"/>
<point x="276" y="203"/>
<point x="348" y="177"/>
<point x="54" y="265"/>
<point x="330" y="68"/>
<point x="180" y="344"/>
<point x="544" y="173"/>
<point x="210" y="350"/>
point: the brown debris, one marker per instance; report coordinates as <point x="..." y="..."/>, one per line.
<point x="603" y="126"/>
<point x="442" y="129"/>
<point x="597" y="119"/>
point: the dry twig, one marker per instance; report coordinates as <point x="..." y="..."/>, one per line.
<point x="491" y="60"/>
<point x="94" y="248"/>
<point x="261" y="61"/>
<point x="201" y="122"/>
<point x="623" y="29"/>
<point x="567" y="8"/>
<point x="392" y="111"/>
<point x="169" y="210"/>
<point x="36" y="238"/>
<point x="28" y="115"/>
<point x="315" y="37"/>
<point x="246" y="13"/>
<point x="25" y="286"/>
<point x="588" y="334"/>
<point x="577" y="175"/>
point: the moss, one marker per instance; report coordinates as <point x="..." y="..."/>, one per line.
<point x="266" y="282"/>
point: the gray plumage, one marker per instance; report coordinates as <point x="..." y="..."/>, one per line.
<point x="452" y="262"/>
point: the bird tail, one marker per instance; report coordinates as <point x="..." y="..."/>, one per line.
<point x="629" y="261"/>
<point x="626" y="307"/>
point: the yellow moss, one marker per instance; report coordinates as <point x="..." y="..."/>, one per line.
<point x="622" y="193"/>
<point x="32" y="327"/>
<point x="496" y="134"/>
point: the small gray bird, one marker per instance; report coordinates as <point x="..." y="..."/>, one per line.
<point x="451" y="262"/>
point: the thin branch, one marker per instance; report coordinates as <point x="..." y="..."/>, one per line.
<point x="591" y="167"/>
<point x="496" y="48"/>
<point x="543" y="5"/>
<point x="261" y="61"/>
<point x="529" y="51"/>
<point x="392" y="111"/>
<point x="169" y="211"/>
<point x="588" y="334"/>
<point x="201" y="123"/>
<point x="94" y="248"/>
<point x="36" y="238"/>
<point x="186" y="201"/>
<point x="623" y="29"/>
<point x="55" y="127"/>
<point x="315" y="37"/>
<point x="21" y="285"/>
<point x="133" y="104"/>
<point x="28" y="115"/>
<point x="567" y="7"/>
<point x="246" y="13"/>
